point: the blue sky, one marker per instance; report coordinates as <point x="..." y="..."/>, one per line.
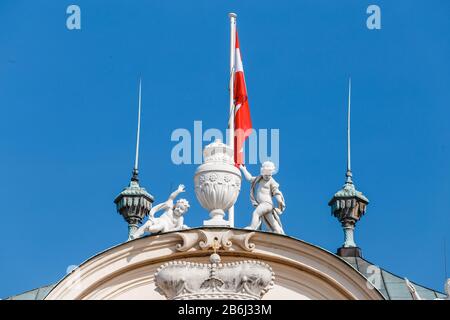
<point x="68" y="105"/>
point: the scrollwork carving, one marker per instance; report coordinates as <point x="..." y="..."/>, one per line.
<point x="205" y="239"/>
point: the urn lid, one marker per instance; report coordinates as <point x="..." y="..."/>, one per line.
<point x="349" y="191"/>
<point x="218" y="152"/>
<point x="134" y="190"/>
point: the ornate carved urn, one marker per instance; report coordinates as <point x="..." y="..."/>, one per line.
<point x="348" y="205"/>
<point x="217" y="182"/>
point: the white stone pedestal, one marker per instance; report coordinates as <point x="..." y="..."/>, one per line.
<point x="216" y="221"/>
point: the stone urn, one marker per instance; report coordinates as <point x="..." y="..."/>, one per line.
<point x="217" y="182"/>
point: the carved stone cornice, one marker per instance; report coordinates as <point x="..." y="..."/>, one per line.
<point x="230" y="240"/>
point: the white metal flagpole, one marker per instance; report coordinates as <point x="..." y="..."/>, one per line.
<point x="231" y="118"/>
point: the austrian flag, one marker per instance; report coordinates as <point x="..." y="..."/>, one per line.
<point x="242" y="120"/>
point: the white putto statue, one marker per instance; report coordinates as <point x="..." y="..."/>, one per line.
<point x="171" y="220"/>
<point x="263" y="189"/>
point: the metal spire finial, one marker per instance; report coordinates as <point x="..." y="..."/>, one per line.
<point x="134" y="202"/>
<point x="136" y="160"/>
<point x="348" y="205"/>
<point x="349" y="164"/>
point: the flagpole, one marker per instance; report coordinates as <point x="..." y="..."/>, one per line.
<point x="231" y="119"/>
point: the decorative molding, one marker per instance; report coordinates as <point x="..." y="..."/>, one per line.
<point x="302" y="271"/>
<point x="206" y="239"/>
<point x="242" y="280"/>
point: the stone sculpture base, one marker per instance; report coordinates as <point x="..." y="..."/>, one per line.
<point x="216" y="222"/>
<point x="350" y="252"/>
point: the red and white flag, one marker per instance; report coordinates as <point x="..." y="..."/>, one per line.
<point x="242" y="119"/>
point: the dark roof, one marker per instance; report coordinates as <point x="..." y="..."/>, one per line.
<point x="36" y="294"/>
<point x="392" y="286"/>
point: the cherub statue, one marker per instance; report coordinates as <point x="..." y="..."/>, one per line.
<point x="263" y="189"/>
<point x="171" y="220"/>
